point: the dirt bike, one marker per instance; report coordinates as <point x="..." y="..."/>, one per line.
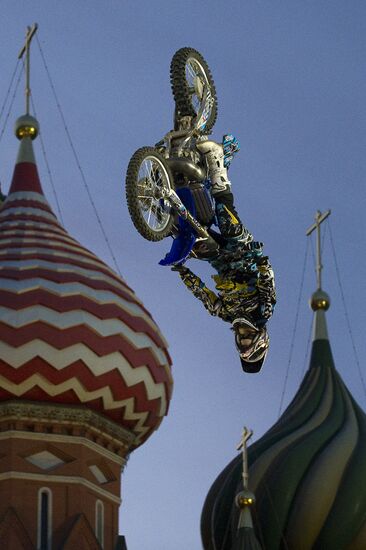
<point x="168" y="185"/>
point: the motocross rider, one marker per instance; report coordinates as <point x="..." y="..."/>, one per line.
<point x="245" y="281"/>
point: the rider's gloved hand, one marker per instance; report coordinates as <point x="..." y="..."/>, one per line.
<point x="189" y="279"/>
<point x="182" y="269"/>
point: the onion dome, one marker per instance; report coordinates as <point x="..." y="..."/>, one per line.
<point x="308" y="471"/>
<point x="71" y="331"/>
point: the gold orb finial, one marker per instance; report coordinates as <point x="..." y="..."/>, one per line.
<point x="320" y="300"/>
<point x="244" y="498"/>
<point x="26" y="126"/>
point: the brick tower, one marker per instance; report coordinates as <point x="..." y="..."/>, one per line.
<point x="84" y="376"/>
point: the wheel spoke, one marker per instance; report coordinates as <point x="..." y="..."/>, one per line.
<point x="156" y="222"/>
<point x="151" y="174"/>
<point x="152" y="179"/>
<point x="147" y="169"/>
<point x="159" y="182"/>
<point x="149" y="216"/>
<point x="191" y="69"/>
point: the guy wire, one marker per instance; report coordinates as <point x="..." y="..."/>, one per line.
<point x="348" y="322"/>
<point x="12" y="98"/>
<point x="295" y="328"/>
<point x="77" y="160"/>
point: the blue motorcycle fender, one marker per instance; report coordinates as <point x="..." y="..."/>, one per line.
<point x="180" y="250"/>
<point x="184" y="242"/>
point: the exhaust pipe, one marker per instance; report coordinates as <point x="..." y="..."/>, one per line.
<point x="180" y="165"/>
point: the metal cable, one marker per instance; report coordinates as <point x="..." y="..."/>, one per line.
<point x="8" y="92"/>
<point x="307" y="350"/>
<point x="11" y="102"/>
<point x="295" y="328"/>
<point x="346" y="312"/>
<point x="48" y="166"/>
<point x="77" y="161"/>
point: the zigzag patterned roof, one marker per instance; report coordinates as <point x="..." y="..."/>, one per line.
<point x="71" y="330"/>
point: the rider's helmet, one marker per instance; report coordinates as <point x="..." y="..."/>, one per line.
<point x="231" y="146"/>
<point x="252" y="344"/>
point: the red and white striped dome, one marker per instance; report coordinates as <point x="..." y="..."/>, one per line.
<point x="71" y="330"/>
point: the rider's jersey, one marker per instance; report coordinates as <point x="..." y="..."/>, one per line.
<point x="245" y="284"/>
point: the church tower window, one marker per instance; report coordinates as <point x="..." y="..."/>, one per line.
<point x="99" y="522"/>
<point x="44" y="519"/>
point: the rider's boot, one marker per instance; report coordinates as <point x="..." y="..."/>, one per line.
<point x="214" y="155"/>
<point x="229" y="223"/>
<point x="227" y="216"/>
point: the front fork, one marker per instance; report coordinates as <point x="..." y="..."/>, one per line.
<point x="178" y="206"/>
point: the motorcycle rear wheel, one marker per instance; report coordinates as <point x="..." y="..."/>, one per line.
<point x="148" y="174"/>
<point x="189" y="72"/>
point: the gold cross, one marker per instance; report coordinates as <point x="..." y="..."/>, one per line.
<point x="319" y="218"/>
<point x="246" y="435"/>
<point x="25" y="49"/>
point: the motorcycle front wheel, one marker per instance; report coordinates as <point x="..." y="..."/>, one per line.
<point x="189" y="73"/>
<point x="148" y="175"/>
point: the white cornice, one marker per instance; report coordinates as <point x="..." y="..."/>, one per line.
<point x="57" y="438"/>
<point x="66" y="413"/>
<point x="44" y="478"/>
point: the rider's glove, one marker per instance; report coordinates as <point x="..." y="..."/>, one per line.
<point x="182" y="269"/>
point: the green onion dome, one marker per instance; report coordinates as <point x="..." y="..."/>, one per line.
<point x="308" y="471"/>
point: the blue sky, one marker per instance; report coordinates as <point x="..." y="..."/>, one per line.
<point x="291" y="84"/>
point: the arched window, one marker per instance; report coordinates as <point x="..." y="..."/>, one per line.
<point x="99" y="522"/>
<point x="44" y="519"/>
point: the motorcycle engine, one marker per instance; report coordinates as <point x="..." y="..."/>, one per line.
<point x="205" y="210"/>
